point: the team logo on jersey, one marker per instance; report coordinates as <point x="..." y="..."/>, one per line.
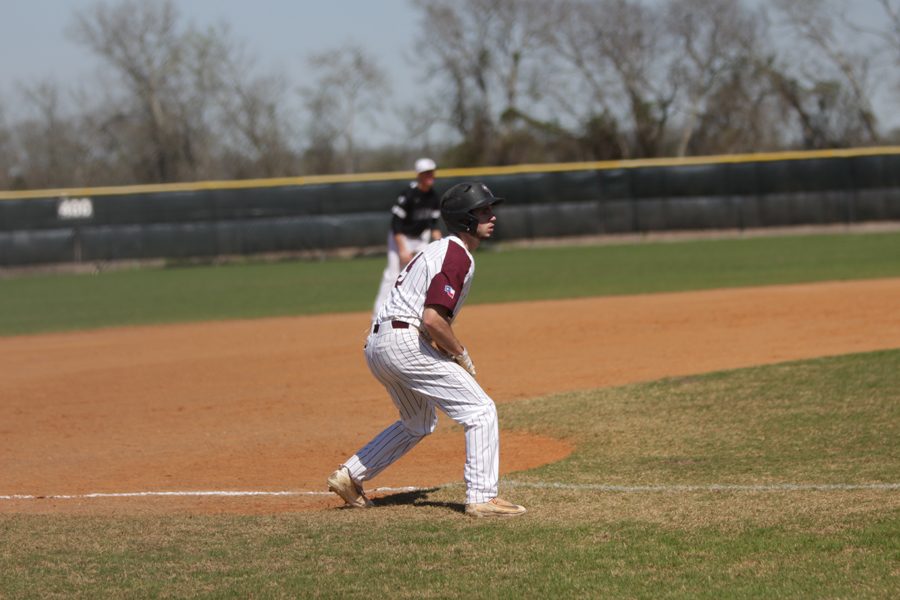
<point x="449" y="291"/>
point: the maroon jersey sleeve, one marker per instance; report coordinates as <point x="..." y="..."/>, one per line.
<point x="446" y="286"/>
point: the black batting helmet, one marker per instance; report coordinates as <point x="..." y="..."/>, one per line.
<point x="459" y="202"/>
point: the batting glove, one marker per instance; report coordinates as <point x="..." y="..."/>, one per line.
<point x="465" y="362"/>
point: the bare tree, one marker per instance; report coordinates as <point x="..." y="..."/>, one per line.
<point x="741" y="114"/>
<point x="50" y="149"/>
<point x="142" y="42"/>
<point x="349" y="92"/>
<point x="183" y="103"/>
<point x="487" y="56"/>
<point x="887" y="34"/>
<point x="250" y="120"/>
<point x="505" y="81"/>
<point x="828" y="83"/>
<point x="8" y="157"/>
<point x="259" y="129"/>
<point x="716" y="40"/>
<point x="886" y="30"/>
<point x="624" y="59"/>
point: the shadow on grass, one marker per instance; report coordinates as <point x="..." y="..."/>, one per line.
<point x="417" y="498"/>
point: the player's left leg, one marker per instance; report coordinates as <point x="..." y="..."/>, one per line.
<point x="449" y="387"/>
<point x="380" y="453"/>
<point x="385" y="356"/>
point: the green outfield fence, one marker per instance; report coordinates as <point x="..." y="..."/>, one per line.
<point x="324" y="213"/>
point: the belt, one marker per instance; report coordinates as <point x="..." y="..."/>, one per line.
<point x="394" y="324"/>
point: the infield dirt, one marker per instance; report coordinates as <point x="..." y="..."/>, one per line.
<point x="277" y="404"/>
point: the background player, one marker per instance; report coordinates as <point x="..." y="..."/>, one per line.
<point x="414" y="352"/>
<point x="413" y="225"/>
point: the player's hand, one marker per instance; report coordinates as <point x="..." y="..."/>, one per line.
<point x="465" y="362"/>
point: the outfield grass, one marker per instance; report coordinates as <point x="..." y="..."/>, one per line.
<point x="66" y="302"/>
<point x="832" y="420"/>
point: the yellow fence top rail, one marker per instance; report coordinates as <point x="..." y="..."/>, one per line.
<point x="466" y="172"/>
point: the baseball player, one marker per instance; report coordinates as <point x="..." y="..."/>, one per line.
<point x="413" y="225"/>
<point x="414" y="352"/>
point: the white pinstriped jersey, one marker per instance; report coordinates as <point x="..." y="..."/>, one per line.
<point x="421" y="380"/>
<point x="441" y="274"/>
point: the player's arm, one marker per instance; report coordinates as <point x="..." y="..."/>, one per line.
<point x="436" y="320"/>
<point x="399" y="216"/>
<point x="402" y="249"/>
<point x="437" y="323"/>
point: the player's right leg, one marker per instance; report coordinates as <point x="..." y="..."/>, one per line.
<point x="417" y="416"/>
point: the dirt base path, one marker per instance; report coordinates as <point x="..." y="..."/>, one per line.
<point x="276" y="404"/>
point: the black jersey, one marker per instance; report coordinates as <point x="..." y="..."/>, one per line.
<point x="415" y="211"/>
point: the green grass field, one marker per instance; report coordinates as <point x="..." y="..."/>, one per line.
<point x="65" y="302"/>
<point x="712" y="486"/>
<point x="827" y="421"/>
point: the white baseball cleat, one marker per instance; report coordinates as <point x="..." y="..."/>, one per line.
<point x="495" y="507"/>
<point x="341" y="484"/>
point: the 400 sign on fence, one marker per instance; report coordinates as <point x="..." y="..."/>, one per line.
<point x="75" y="208"/>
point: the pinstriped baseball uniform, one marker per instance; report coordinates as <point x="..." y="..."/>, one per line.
<point x="421" y="379"/>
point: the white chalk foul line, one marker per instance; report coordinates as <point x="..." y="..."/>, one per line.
<point x="714" y="487"/>
<point x="626" y="489"/>
<point x="198" y="493"/>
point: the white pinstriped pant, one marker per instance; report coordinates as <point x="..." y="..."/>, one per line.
<point x="420" y="379"/>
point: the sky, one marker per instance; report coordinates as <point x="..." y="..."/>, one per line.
<point x="280" y="33"/>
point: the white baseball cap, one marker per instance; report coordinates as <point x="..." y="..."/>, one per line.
<point x="425" y="164"/>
